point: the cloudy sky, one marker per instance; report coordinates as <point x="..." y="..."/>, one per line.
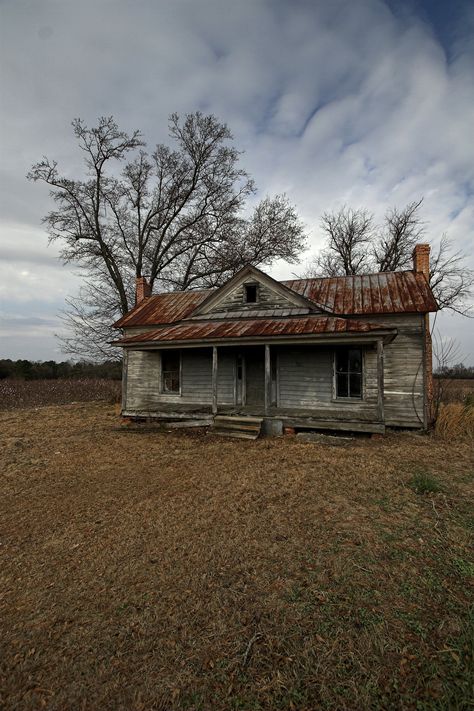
<point x="363" y="102"/>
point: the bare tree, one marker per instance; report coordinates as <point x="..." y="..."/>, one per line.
<point x="175" y="216"/>
<point x="349" y="234"/>
<point x="403" y="229"/>
<point x="353" y="247"/>
<point x="452" y="282"/>
<point x="446" y="352"/>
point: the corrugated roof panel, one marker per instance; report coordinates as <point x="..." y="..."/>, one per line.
<point x="247" y="328"/>
<point x="375" y="291"/>
<point x="163" y="308"/>
<point x="386" y="292"/>
<point x="397" y="298"/>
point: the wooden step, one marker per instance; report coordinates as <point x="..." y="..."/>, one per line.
<point x="235" y="433"/>
<point x="240" y="426"/>
<point x="238" y="418"/>
<point x="237" y="426"/>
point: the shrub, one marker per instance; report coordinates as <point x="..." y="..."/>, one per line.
<point x="425" y="483"/>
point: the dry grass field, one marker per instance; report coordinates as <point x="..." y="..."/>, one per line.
<point x="36" y="393"/>
<point x="455" y="389"/>
<point x="158" y="570"/>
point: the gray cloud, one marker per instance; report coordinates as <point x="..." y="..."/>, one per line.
<point x="333" y="102"/>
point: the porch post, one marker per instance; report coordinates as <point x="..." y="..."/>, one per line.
<point x="380" y="382"/>
<point x="214" y="380"/>
<point x="268" y="379"/>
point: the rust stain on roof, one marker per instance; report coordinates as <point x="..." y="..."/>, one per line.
<point x="163" y="308"/>
<point x="384" y="293"/>
<point x="253" y="328"/>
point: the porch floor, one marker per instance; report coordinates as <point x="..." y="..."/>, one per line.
<point x="298" y="418"/>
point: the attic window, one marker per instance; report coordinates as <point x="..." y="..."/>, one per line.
<point x="250" y="293"/>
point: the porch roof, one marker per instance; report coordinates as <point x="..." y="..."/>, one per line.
<point x="256" y="328"/>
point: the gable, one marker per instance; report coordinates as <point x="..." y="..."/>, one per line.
<point x="266" y="294"/>
<point x="266" y="298"/>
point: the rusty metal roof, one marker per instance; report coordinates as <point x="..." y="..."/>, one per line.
<point x="382" y="293"/>
<point x="163" y="308"/>
<point x="257" y="328"/>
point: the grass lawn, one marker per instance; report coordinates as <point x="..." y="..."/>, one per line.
<point x="145" y="571"/>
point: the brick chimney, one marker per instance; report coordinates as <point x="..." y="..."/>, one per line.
<point x="421" y="259"/>
<point x="143" y="290"/>
<point x="421" y="264"/>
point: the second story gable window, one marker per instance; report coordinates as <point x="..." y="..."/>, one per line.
<point x="250" y="294"/>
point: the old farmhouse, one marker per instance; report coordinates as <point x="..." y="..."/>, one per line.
<point x="346" y="353"/>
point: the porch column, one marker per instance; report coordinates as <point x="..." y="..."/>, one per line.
<point x="380" y="382"/>
<point x="214" y="380"/>
<point x="268" y="379"/>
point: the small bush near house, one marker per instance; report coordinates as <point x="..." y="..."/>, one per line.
<point x="425" y="483"/>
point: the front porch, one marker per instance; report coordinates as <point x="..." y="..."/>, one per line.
<point x="296" y="385"/>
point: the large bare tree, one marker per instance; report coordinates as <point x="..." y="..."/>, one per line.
<point x="178" y="216"/>
<point x="355" y="245"/>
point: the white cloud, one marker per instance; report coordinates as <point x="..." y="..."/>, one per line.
<point x="332" y="102"/>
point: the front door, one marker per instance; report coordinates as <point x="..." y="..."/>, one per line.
<point x="255" y="376"/>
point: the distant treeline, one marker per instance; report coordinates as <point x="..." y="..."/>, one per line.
<point x="456" y="371"/>
<point x="50" y="370"/>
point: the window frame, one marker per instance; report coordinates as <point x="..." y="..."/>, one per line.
<point x="253" y="285"/>
<point x="349" y="398"/>
<point x="171" y="393"/>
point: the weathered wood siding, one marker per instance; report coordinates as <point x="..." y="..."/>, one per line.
<point x="403" y="371"/>
<point x="305" y="381"/>
<point x="143" y="379"/>
<point x="196" y="376"/>
<point x="267" y="299"/>
<point x="225" y="377"/>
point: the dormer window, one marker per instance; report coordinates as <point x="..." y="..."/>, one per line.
<point x="250" y="293"/>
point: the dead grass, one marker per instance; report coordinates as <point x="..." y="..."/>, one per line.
<point x="181" y="571"/>
<point x="455" y="422"/>
<point x="454" y="389"/>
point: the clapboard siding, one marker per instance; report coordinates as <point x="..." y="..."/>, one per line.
<point x="225" y="377"/>
<point x="196" y="376"/>
<point x="305" y="381"/>
<point x="143" y="379"/>
<point x="403" y="371"/>
<point x="267" y="299"/>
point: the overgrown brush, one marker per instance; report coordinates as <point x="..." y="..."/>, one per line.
<point x="455" y="421"/>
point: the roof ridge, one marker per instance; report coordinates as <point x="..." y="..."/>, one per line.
<point x="349" y="276"/>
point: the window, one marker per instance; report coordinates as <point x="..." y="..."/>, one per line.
<point x="349" y="372"/>
<point x="250" y="293"/>
<point x="170" y="371"/>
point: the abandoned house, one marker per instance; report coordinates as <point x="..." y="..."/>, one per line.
<point x="345" y="353"/>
